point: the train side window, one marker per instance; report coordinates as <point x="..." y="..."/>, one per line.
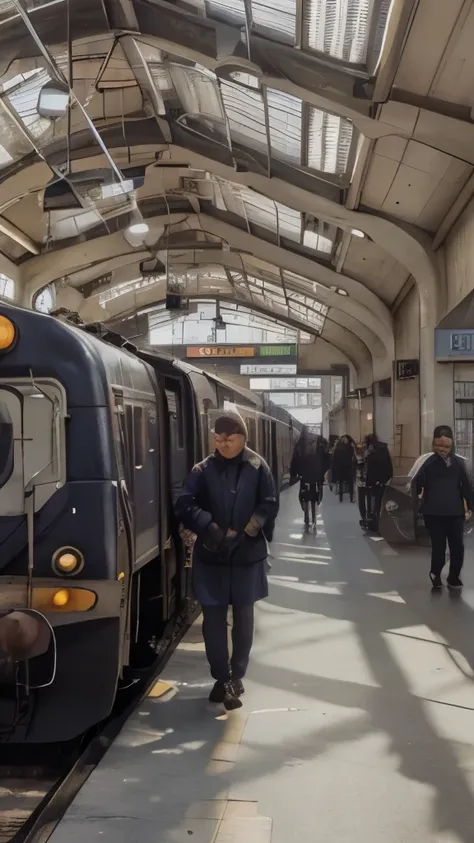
<point x="173" y="398"/>
<point x="138" y="437"/>
<point x="119" y="433"/>
<point x="252" y="431"/>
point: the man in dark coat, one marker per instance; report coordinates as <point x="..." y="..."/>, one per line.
<point x="229" y="501"/>
<point x="343" y="466"/>
<point x="374" y="470"/>
<point x="310" y="462"/>
<point x="443" y="487"/>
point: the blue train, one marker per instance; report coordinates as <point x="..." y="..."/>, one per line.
<point x="96" y="438"/>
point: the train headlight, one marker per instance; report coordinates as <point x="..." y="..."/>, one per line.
<point x="67" y="561"/>
<point x="47" y="599"/>
<point x="61" y="597"/>
<point x="7" y="333"/>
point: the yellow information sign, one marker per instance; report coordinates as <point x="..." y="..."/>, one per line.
<point x="220" y="351"/>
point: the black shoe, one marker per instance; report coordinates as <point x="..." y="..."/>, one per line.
<point x="454" y="583"/>
<point x="218" y="692"/>
<point x="315" y="528"/>
<point x="238" y="686"/>
<point x="223" y="692"/>
<point x="436" y="581"/>
<point x="231" y="700"/>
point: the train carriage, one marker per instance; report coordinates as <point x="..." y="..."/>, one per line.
<point x="97" y="438"/>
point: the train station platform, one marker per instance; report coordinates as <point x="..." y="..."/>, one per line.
<point x="358" y="720"/>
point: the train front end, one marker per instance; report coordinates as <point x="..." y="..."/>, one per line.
<point x="58" y="564"/>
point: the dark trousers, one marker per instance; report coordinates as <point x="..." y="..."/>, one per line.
<point x="307" y="505"/>
<point x="442" y="530"/>
<point x="350" y="483"/>
<point x="214" y="629"/>
<point x="370" y="502"/>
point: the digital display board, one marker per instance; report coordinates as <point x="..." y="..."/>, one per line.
<point x="268" y="369"/>
<point x="209" y="351"/>
<point x="463" y="342"/>
<point x="277" y="350"/>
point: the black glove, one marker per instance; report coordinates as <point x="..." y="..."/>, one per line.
<point x="213" y="537"/>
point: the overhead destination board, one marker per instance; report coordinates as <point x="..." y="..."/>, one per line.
<point x="278" y="350"/>
<point x="268" y="369"/>
<point x="210" y="351"/>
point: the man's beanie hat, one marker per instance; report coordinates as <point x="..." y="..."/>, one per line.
<point x="443" y="430"/>
<point x="230" y="423"/>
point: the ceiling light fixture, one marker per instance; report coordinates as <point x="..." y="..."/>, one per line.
<point x="356" y="232"/>
<point x="342" y="292"/>
<point x="140" y="227"/>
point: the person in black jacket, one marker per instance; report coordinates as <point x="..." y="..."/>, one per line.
<point x="374" y="470"/>
<point x="310" y="463"/>
<point x="229" y="503"/>
<point x="343" y="466"/>
<point x="444" y="490"/>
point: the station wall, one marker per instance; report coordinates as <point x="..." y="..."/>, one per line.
<point x="406" y="393"/>
<point x="458" y="254"/>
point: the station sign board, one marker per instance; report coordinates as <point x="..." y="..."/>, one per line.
<point x="451" y="345"/>
<point x="278" y="350"/>
<point x="268" y="369"/>
<point x="212" y="351"/>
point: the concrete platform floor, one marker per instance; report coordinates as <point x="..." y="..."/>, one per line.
<point x="358" y="722"/>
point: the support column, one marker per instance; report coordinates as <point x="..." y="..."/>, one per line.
<point x="326" y="397"/>
<point x="428" y="390"/>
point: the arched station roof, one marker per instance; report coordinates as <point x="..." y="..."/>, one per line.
<point x="307" y="155"/>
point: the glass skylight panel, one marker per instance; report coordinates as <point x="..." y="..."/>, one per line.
<point x="7" y="287"/>
<point x="129" y="287"/>
<point x="285" y="119"/>
<point x="339" y="28"/>
<point x="289" y="223"/>
<point x="63" y="228"/>
<point x="197" y="91"/>
<point x="308" y="301"/>
<point x="230" y="9"/>
<point x="161" y="77"/>
<point x="7" y="10"/>
<point x="329" y="141"/>
<point x="259" y="210"/>
<point x="313" y="240"/>
<point x="299" y="282"/>
<point x="305" y="314"/>
<point x="245" y="113"/>
<point x="23" y="93"/>
<point x="5" y="157"/>
<point x="117" y="188"/>
<point x="275" y="17"/>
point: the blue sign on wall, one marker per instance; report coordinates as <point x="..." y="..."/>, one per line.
<point x="454" y="344"/>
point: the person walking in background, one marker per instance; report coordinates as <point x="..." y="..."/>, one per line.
<point x="444" y="489"/>
<point x="310" y="463"/>
<point x="343" y="466"/>
<point x="374" y="470"/>
<point x="229" y="501"/>
<point x="332" y="444"/>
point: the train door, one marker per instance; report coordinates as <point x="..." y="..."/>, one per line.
<point x="181" y="458"/>
<point x="176" y="422"/>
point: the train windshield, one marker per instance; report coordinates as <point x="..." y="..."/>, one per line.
<point x="32" y="442"/>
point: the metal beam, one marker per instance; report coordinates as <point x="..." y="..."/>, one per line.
<point x="340" y="337"/>
<point x="406" y="244"/>
<point x="377" y="329"/>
